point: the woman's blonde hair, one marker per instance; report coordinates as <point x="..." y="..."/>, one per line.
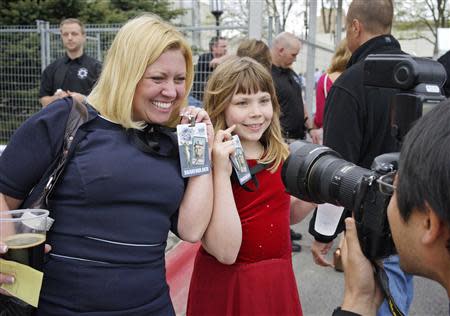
<point x="245" y="75"/>
<point x="340" y="58"/>
<point x="138" y="44"/>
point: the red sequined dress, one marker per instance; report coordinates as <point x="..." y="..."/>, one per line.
<point x="261" y="281"/>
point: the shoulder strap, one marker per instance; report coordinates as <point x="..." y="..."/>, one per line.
<point x="325" y="90"/>
<point x="77" y="116"/>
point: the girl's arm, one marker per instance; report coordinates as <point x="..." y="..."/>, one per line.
<point x="300" y="209"/>
<point x="196" y="206"/>
<point x="223" y="236"/>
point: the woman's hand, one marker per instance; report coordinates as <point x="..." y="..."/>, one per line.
<point x="222" y="149"/>
<point x="9" y="279"/>
<point x="201" y="116"/>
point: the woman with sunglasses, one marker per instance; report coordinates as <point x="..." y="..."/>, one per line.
<point x="122" y="190"/>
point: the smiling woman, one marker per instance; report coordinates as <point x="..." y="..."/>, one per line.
<point x="122" y="190"/>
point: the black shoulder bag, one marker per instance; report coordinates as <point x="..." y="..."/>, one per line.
<point x="38" y="197"/>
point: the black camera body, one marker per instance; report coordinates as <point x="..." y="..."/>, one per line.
<point x="318" y="174"/>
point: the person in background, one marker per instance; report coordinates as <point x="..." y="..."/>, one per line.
<point x="207" y="63"/>
<point x="338" y="64"/>
<point x="122" y="190"/>
<point x="418" y="214"/>
<point x="295" y="122"/>
<point x="244" y="266"/>
<point x="357" y="122"/>
<point x="73" y="74"/>
<point x="256" y="49"/>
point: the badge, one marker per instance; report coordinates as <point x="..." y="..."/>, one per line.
<point x="239" y="163"/>
<point x="193" y="147"/>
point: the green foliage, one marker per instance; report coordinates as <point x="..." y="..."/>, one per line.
<point x="26" y="12"/>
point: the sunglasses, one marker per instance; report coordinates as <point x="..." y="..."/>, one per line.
<point x="386" y="183"/>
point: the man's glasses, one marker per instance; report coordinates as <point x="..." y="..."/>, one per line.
<point x="386" y="183"/>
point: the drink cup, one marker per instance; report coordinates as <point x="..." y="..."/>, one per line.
<point x="24" y="231"/>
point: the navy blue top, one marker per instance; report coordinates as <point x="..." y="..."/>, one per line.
<point x="113" y="209"/>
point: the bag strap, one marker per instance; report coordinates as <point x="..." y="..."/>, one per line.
<point x="325" y="90"/>
<point x="77" y="116"/>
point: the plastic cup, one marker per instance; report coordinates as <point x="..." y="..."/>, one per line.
<point x="24" y="232"/>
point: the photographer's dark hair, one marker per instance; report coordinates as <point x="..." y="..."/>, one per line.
<point x="424" y="169"/>
<point x="375" y="15"/>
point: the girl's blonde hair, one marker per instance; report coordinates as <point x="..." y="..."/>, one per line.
<point x="340" y="58"/>
<point x="138" y="44"/>
<point x="245" y="75"/>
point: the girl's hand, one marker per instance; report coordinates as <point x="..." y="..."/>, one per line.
<point x="222" y="149"/>
<point x="201" y="116"/>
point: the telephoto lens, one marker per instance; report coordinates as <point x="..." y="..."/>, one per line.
<point x="318" y="174"/>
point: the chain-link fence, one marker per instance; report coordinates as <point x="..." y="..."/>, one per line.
<point x="27" y="50"/>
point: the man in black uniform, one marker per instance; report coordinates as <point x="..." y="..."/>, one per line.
<point x="206" y="64"/>
<point x="357" y="119"/>
<point x="445" y="61"/>
<point x="73" y="74"/>
<point x="294" y="117"/>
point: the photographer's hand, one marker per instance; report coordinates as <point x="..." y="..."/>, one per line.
<point x="362" y="294"/>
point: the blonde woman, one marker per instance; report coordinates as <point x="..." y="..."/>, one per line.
<point x="116" y="201"/>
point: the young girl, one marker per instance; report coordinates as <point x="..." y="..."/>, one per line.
<point x="244" y="266"/>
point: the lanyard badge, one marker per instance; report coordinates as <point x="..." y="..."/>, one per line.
<point x="239" y="163"/>
<point x="193" y="148"/>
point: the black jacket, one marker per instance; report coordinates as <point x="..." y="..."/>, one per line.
<point x="289" y="93"/>
<point x="356" y="122"/>
<point x="357" y="118"/>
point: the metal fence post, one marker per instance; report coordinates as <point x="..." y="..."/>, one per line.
<point x="99" y="47"/>
<point x="255" y="10"/>
<point x="311" y="53"/>
<point x="41" y="31"/>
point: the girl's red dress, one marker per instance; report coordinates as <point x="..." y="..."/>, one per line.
<point x="262" y="280"/>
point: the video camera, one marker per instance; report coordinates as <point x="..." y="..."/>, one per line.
<point x="318" y="174"/>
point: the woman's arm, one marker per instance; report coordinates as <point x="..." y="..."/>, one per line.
<point x="223" y="236"/>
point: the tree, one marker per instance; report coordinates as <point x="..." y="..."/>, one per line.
<point x="26" y="12"/>
<point x="280" y="9"/>
<point x="423" y="15"/>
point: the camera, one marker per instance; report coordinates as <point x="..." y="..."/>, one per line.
<point x="318" y="174"/>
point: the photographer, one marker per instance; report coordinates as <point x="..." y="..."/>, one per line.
<point x="418" y="213"/>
